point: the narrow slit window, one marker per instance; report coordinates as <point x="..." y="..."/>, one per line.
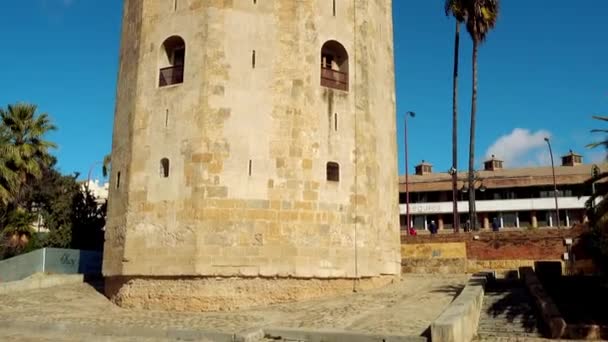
<point x="250" y="166"/>
<point x="164" y="168"/>
<point x="253" y="59"/>
<point x="333" y="172"/>
<point x="336" y="122"/>
<point x="174" y="5"/>
<point x="334" y="7"/>
<point x="166" y="117"/>
<point x="118" y="180"/>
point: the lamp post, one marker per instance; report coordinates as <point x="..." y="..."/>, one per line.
<point x="554" y="183"/>
<point x="90" y="172"/>
<point x="407" y="189"/>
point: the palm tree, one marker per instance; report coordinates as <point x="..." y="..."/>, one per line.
<point x="598" y="213"/>
<point x="7" y="175"/>
<point x="481" y="18"/>
<point x="106" y="165"/>
<point x="456" y="9"/>
<point x="24" y="147"/>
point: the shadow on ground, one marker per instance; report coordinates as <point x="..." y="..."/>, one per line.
<point x="508" y="303"/>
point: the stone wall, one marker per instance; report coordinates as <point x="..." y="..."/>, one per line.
<point x="504" y="252"/>
<point x="248" y="144"/>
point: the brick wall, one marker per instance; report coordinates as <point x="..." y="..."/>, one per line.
<point x="506" y="250"/>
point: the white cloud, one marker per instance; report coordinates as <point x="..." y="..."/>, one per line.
<point x="521" y="148"/>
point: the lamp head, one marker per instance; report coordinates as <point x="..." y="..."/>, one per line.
<point x="410" y="113"/>
<point x="546" y="139"/>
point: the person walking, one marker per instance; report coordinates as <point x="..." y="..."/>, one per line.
<point x="495" y="224"/>
<point x="433" y="227"/>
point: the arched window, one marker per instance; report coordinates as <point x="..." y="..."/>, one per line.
<point x="333" y="172"/>
<point x="173" y="59"/>
<point x="164" y="168"/>
<point x="334" y="66"/>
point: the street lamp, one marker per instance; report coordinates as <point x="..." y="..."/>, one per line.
<point x="554" y="182"/>
<point x="407" y="189"/>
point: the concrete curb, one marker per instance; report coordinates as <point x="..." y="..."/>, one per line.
<point x="326" y="335"/>
<point x="548" y="310"/>
<point x="116" y="331"/>
<point x="459" y="321"/>
<point x="40" y="282"/>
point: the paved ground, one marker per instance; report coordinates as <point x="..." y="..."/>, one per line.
<point x="404" y="308"/>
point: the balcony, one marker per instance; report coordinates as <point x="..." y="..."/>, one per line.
<point x="171" y="75"/>
<point x="334" y="79"/>
<point x="496" y="205"/>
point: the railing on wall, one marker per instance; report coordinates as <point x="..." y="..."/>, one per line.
<point x="171" y="75"/>
<point x="334" y="79"/>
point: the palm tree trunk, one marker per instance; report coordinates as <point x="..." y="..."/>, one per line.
<point x="455" y="218"/>
<point x="472" y="211"/>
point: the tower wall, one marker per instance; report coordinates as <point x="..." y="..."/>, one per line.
<point x="247" y="204"/>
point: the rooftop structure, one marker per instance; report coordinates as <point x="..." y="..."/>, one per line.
<point x="518" y="197"/>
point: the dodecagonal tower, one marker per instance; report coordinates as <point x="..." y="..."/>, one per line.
<point x="254" y="153"/>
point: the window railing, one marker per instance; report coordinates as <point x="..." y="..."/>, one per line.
<point x="334" y="79"/>
<point x="171" y="75"/>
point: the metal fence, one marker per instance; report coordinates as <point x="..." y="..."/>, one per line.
<point x="51" y="260"/>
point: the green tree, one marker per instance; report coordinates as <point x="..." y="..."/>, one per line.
<point x="481" y="18"/>
<point x="8" y="177"/>
<point x="597" y="204"/>
<point x="455" y="8"/>
<point x="24" y="146"/>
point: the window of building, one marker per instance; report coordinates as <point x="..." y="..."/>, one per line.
<point x="173" y="59"/>
<point x="164" y="168"/>
<point x="333" y="172"/>
<point x="118" y="180"/>
<point x="334" y="66"/>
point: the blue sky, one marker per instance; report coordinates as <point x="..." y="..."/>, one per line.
<point x="543" y="71"/>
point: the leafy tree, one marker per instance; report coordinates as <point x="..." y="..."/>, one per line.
<point x="457" y="9"/>
<point x="25" y="149"/>
<point x="481" y="17"/>
<point x="598" y="212"/>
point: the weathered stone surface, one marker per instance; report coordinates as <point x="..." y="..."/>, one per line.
<point x="459" y="321"/>
<point x="247" y="193"/>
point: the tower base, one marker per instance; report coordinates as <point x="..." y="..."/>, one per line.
<point x="226" y="294"/>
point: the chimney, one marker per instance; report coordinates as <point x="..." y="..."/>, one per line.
<point x="572" y="159"/>
<point x="492" y="164"/>
<point x="424" y="168"/>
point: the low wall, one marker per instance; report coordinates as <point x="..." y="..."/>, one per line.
<point x="449" y="257"/>
<point x="459" y="321"/>
<point x="549" y="312"/>
<point x="50" y="260"/>
<point x="504" y="252"/>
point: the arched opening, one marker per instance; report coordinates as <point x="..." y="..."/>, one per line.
<point x="164" y="168"/>
<point x="334" y="66"/>
<point x="333" y="172"/>
<point x="173" y="59"/>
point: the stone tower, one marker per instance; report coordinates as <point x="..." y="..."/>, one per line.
<point x="254" y="153"/>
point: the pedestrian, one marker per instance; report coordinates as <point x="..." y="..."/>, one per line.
<point x="433" y="227"/>
<point x="467" y="226"/>
<point x="495" y="224"/>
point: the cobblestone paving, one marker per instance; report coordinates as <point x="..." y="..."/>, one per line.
<point x="404" y="308"/>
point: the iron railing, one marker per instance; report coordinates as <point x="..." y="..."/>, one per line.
<point x="171" y="75"/>
<point x="334" y="79"/>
